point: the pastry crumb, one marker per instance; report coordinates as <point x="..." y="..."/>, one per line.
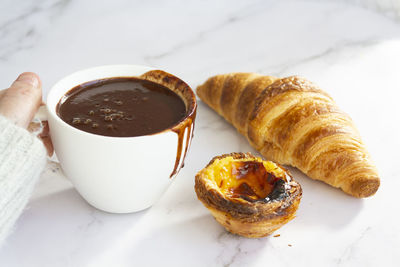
<point x="278" y="235"/>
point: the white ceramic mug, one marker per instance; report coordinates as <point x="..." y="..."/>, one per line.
<point x="120" y="174"/>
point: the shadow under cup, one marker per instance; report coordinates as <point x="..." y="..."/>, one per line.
<point x="121" y="174"/>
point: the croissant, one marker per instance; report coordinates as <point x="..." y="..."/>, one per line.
<point x="293" y="122"/>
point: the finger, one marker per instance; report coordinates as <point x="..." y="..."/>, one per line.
<point x="43" y="135"/>
<point x="20" y="102"/>
<point x="48" y="144"/>
<point x="45" y="131"/>
<point x="34" y="127"/>
<point x="2" y="92"/>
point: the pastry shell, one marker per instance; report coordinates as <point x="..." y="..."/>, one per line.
<point x="255" y="213"/>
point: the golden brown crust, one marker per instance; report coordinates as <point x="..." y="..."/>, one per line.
<point x="212" y="89"/>
<point x="250" y="219"/>
<point x="233" y="87"/>
<point x="247" y="100"/>
<point x="294" y="122"/>
<point x="280" y="86"/>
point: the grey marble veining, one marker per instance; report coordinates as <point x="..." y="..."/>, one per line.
<point x="350" y="48"/>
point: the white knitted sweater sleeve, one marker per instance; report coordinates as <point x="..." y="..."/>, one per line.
<point x="22" y="159"/>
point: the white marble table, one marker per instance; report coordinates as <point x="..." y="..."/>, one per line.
<point x="350" y="51"/>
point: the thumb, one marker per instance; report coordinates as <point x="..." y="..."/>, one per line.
<point x="20" y="102"/>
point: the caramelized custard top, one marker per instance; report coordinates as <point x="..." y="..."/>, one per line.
<point x="254" y="182"/>
<point x="251" y="180"/>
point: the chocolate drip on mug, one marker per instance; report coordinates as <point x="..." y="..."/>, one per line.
<point x="187" y="95"/>
<point x="181" y="133"/>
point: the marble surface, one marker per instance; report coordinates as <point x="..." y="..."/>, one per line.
<point x="352" y="51"/>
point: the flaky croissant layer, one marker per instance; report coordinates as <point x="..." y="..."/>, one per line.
<point x="292" y="121"/>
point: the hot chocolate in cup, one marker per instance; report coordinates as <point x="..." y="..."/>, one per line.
<point x="121" y="174"/>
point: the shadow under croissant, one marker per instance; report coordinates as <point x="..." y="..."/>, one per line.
<point x="323" y="204"/>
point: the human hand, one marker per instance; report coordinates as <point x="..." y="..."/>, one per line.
<point x="20" y="102"/>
